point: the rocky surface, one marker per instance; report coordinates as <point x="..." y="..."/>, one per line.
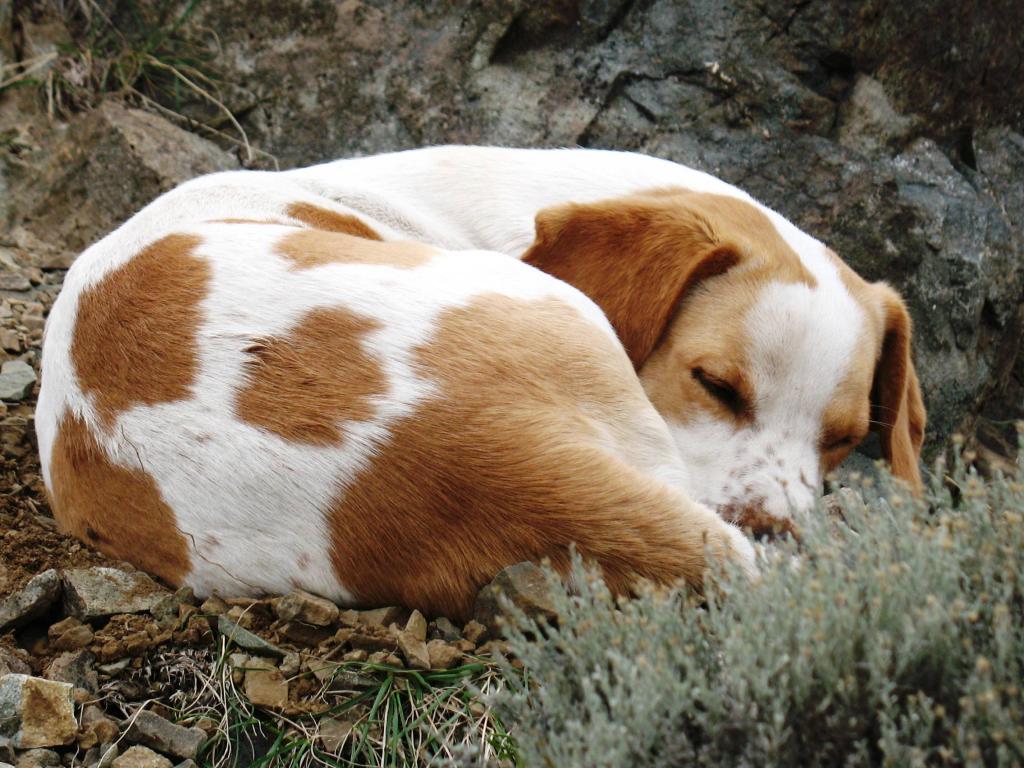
<point x="90" y="647"/>
<point x="893" y="132"/>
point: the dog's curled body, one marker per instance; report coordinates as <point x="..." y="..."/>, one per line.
<point x="252" y="406"/>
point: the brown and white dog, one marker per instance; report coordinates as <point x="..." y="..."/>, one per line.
<point x="245" y="390"/>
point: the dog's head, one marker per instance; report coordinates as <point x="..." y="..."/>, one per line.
<point x="769" y="358"/>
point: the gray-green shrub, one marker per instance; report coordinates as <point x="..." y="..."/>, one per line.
<point x="894" y="639"/>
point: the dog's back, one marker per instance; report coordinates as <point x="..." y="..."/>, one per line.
<point x="252" y="407"/>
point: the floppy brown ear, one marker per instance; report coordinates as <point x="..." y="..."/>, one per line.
<point x="634" y="257"/>
<point x="897" y="408"/>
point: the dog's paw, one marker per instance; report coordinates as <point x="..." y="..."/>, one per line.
<point x="741" y="551"/>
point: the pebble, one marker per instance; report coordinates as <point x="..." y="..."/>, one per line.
<point x="414" y="650"/>
<point x="31" y="602"/>
<point x="307" y="608"/>
<point x="265" y="686"/>
<point x="16" y="380"/>
<point x="141" y="757"/>
<point x="35" y="712"/>
<point x="151" y="730"/>
<point x="245" y="639"/>
<point x="525" y="586"/>
<point x="442" y="655"/>
<point x="95" y="593"/>
<point x="75" y="668"/>
<point x="417" y="626"/>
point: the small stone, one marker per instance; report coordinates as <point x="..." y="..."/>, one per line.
<point x="466" y="646"/>
<point x="16" y="380"/>
<point x="213" y="605"/>
<point x="445" y="630"/>
<point x="525" y="586"/>
<point x="334" y="733"/>
<point x="474" y="632"/>
<point x="442" y="655"/>
<point x="10" y="281"/>
<point x="10" y="661"/>
<point x="307" y="608"/>
<point x="245" y="639"/>
<point x="357" y="655"/>
<point x="101" y="730"/>
<point x="167" y="611"/>
<point x="141" y="757"/>
<point x="9" y="340"/>
<point x="414" y="649"/>
<point x="187" y="764"/>
<point x="291" y="664"/>
<point x="304" y="634"/>
<point x="35" y="712"/>
<point x="30" y="602"/>
<point x="417" y="626"/>
<point x="384" y="617"/>
<point x="74" y="668"/>
<point x="372" y="640"/>
<point x="74" y="638"/>
<point x="62" y="626"/>
<point x="94" y="593"/>
<point x="38" y="758"/>
<point x="265" y="686"/>
<point x="151" y="730"/>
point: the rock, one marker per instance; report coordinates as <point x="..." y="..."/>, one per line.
<point x="38" y="758"/>
<point x="10" y="340"/>
<point x="867" y="121"/>
<point x="443" y="628"/>
<point x="246" y="640"/>
<point x="371" y="639"/>
<point x="265" y="686"/>
<point x="82" y="200"/>
<point x="35" y="712"/>
<point x="307" y="608"/>
<point x="414" y="650"/>
<point x="474" y="632"/>
<point x="151" y="730"/>
<point x="96" y="593"/>
<point x="75" y="668"/>
<point x="10" y="662"/>
<point x="417" y="626"/>
<point x="304" y="634"/>
<point x="167" y="611"/>
<point x="524" y="585"/>
<point x="442" y="655"/>
<point x="16" y="380"/>
<point x="383" y="617"/>
<point x="141" y="757"/>
<point x="333" y="733"/>
<point x="13" y="282"/>
<point x="31" y="602"/>
<point x="65" y="636"/>
<point x="187" y="764"/>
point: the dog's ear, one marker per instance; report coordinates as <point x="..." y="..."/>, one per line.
<point x="634" y="257"/>
<point x="897" y="410"/>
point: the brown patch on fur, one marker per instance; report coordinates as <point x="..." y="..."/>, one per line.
<point x="331" y="221"/>
<point x="135" y="333"/>
<point x="896" y="403"/>
<point x="300" y="386"/>
<point x="637" y="256"/>
<point x="309" y="248"/>
<point x="884" y="368"/>
<point x="512" y="463"/>
<point x="118" y="511"/>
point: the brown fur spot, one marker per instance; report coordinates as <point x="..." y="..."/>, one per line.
<point x="117" y="510"/>
<point x="135" y="334"/>
<point x="301" y="385"/>
<point x="509" y="465"/>
<point x="752" y="517"/>
<point x="309" y="248"/>
<point x="331" y="221"/>
<point x="638" y="256"/>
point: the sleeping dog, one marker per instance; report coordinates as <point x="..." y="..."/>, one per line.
<point x="259" y="383"/>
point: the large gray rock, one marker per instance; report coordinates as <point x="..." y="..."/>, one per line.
<point x="16" y="380"/>
<point x="35" y="712"/>
<point x="30" y="602"/>
<point x="113" y="161"/>
<point x="95" y="593"/>
<point x="151" y="730"/>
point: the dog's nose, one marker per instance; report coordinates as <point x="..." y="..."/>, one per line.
<point x="754" y="516"/>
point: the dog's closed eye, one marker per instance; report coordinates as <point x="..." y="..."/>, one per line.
<point x="721" y="390"/>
